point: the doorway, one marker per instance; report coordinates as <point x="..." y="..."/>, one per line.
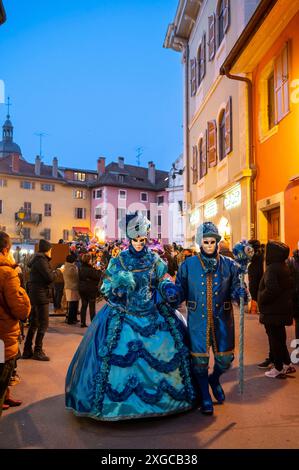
<point x="273" y="217"/>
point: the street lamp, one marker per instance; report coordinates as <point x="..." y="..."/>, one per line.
<point x="21" y="216"/>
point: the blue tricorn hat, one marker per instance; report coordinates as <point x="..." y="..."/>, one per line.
<point x="207" y="229"/>
<point x="135" y="225"/>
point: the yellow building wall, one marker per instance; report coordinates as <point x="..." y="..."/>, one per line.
<point x="62" y="201"/>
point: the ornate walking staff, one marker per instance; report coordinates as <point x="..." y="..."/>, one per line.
<point x="243" y="253"/>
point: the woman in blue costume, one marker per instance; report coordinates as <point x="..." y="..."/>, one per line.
<point x="132" y="361"/>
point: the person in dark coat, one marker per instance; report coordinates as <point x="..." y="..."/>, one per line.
<point x="275" y="304"/>
<point x="89" y="278"/>
<point x="41" y="276"/>
<point x="172" y="265"/>
<point x="293" y="264"/>
<point x="255" y="274"/>
<point x="58" y="288"/>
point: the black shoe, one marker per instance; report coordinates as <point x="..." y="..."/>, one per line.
<point x="27" y="354"/>
<point x="265" y="364"/>
<point x="40" y="356"/>
<point x="83" y="325"/>
<point x="217" y="390"/>
<point x="207" y="407"/>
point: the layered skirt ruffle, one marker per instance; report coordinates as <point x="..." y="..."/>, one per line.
<point x="130" y="366"/>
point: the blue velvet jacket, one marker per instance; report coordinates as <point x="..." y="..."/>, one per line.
<point x="208" y="298"/>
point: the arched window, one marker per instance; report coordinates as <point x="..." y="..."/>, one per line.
<point x="222" y="135"/>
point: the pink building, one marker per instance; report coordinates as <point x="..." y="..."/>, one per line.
<point x="122" y="188"/>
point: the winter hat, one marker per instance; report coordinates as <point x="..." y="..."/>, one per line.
<point x="276" y="252"/>
<point x="44" y="246"/>
<point x="205" y="230"/>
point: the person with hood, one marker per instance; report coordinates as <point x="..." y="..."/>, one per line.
<point x="255" y="274"/>
<point x="41" y="276"/>
<point x="14" y="306"/>
<point x="293" y="264"/>
<point x="132" y="362"/>
<point x="209" y="283"/>
<point x="274" y="299"/>
<point x="89" y="278"/>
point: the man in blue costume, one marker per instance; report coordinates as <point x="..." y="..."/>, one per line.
<point x="209" y="282"/>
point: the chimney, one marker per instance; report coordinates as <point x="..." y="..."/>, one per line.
<point x="55" y="168"/>
<point x="152" y="172"/>
<point x="121" y="162"/>
<point x="101" y="166"/>
<point x="37" y="165"/>
<point x="15" y="163"/>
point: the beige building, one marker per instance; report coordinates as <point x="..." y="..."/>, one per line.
<point x="38" y="200"/>
<point x="219" y="176"/>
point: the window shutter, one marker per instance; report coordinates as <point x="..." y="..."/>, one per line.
<point x="212" y="143"/>
<point x="204" y="155"/>
<point x="193" y="76"/>
<point x="281" y="80"/>
<point x="194" y="165"/>
<point x="212" y="36"/>
<point x="285" y="79"/>
<point x="202" y="58"/>
<point x="33" y="185"/>
<point x="226" y="15"/>
<point x="228" y="127"/>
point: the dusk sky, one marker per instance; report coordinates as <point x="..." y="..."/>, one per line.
<point x="94" y="77"/>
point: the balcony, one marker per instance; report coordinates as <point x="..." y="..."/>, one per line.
<point x="30" y="218"/>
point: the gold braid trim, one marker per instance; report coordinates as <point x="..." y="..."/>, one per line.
<point x="200" y="354"/>
<point x="210" y="309"/>
<point x="226" y="353"/>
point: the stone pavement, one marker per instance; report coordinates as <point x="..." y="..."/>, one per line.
<point x="266" y="416"/>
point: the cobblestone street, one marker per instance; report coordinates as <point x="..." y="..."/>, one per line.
<point x="267" y="416"/>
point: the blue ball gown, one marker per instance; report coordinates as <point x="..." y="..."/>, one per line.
<point x="133" y="361"/>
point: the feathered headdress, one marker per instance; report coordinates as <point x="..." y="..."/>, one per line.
<point x="135" y="225"/>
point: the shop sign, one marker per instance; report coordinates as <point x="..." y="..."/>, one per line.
<point x="210" y="209"/>
<point x="232" y="198"/>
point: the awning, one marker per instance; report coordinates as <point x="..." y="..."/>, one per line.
<point x="81" y="229"/>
